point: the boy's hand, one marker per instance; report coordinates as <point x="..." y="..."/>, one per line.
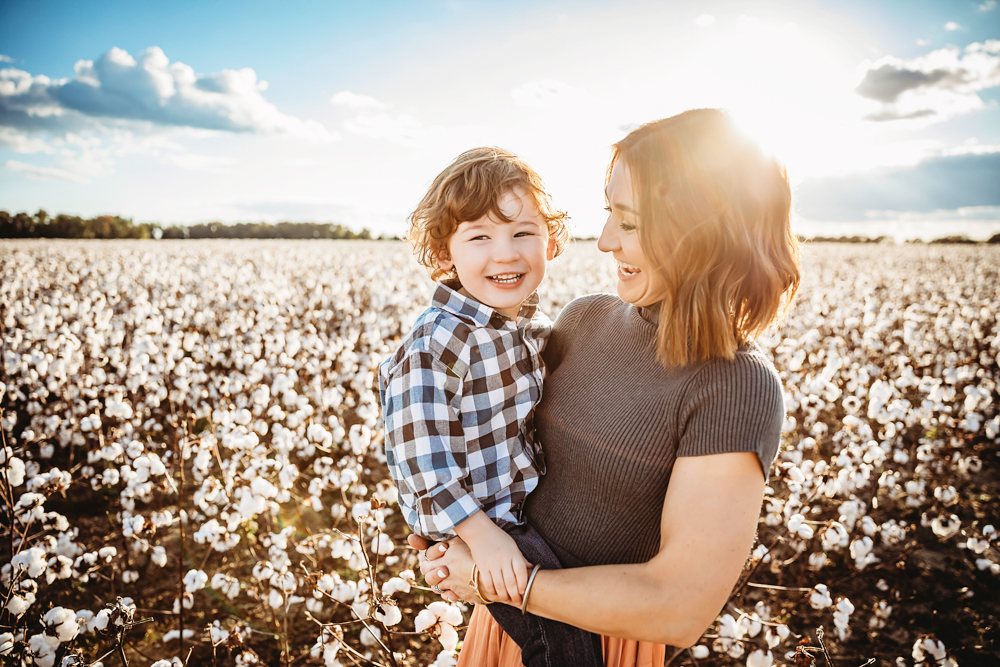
<point x="503" y="571"/>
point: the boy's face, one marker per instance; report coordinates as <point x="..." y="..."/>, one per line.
<point x="501" y="263"/>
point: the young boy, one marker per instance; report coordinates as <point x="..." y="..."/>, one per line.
<point x="458" y="394"/>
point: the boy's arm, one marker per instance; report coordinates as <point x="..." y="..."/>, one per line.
<point x="503" y="570"/>
<point x="425" y="442"/>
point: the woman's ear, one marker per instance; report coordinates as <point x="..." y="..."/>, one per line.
<point x="443" y="258"/>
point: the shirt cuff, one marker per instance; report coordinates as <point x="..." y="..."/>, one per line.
<point x="443" y="508"/>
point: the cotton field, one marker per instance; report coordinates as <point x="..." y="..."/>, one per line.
<point x="192" y="465"/>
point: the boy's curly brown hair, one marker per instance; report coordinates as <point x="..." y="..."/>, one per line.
<point x="469" y="188"/>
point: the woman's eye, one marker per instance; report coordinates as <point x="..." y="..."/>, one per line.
<point x="625" y="227"/>
<point x="608" y="209"/>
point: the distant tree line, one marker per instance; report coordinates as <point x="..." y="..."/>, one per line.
<point x="42" y="226"/>
<point x="885" y="239"/>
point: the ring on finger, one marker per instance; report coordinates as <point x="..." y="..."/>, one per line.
<point x="437" y="589"/>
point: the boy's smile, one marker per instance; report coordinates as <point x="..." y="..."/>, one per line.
<point x="501" y="263"/>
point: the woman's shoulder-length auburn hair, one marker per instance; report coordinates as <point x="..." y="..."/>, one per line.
<point x="714" y="222"/>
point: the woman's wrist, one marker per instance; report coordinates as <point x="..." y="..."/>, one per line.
<point x="527" y="589"/>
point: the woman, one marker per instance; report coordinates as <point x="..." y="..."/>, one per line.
<point x="661" y="416"/>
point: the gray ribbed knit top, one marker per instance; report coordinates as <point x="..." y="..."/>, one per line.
<point x="613" y="420"/>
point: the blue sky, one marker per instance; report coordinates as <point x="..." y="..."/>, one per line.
<point x="885" y="112"/>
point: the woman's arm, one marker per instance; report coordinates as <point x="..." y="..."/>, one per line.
<point x="707" y="529"/>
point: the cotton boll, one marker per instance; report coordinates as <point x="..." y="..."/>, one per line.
<point x="6" y="638"/>
<point x="760" y="658"/>
<point x="946" y="526"/>
<point x="159" y="556"/>
<point x="19" y="603"/>
<point x="448" y="637"/>
<point x="394" y="585"/>
<point x="370" y="637"/>
<point x="388" y="614"/>
<point x="820" y="597"/>
<point x="382" y="545"/>
<point x="194" y="580"/>
<point x="43" y="649"/>
<point x="15" y="471"/>
<point x="62" y="622"/>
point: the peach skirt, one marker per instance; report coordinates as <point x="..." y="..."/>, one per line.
<point x="487" y="645"/>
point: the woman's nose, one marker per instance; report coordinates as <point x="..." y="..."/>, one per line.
<point x="608" y="242"/>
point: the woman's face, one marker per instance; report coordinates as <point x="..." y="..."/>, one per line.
<point x="638" y="283"/>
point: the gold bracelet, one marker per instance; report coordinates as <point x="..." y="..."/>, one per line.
<point x="527" y="590"/>
<point x="474" y="582"/>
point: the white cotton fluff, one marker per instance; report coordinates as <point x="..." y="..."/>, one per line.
<point x="388" y="614"/>
<point x="62" y="622"/>
<point x="820" y="597"/>
<point x="195" y="580"/>
<point x="760" y="658"/>
<point x="798" y="526"/>
<point x="15" y="472"/>
<point x="159" y="556"/>
<point x="394" y="585"/>
<point x="43" y="648"/>
<point x="19" y="603"/>
<point x="382" y="545"/>
<point x="31" y="560"/>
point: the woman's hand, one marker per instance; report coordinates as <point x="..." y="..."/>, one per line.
<point x="438" y="562"/>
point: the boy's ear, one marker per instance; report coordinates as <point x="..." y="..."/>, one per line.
<point x="550" y="251"/>
<point x="443" y="259"/>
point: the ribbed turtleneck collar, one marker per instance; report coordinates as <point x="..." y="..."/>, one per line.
<point x="650" y="314"/>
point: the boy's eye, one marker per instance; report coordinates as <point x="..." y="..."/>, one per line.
<point x="481" y="237"/>
<point x="524" y="234"/>
<point x="608" y="209"/>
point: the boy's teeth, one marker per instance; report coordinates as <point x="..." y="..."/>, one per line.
<point x="506" y="278"/>
<point x="627" y="268"/>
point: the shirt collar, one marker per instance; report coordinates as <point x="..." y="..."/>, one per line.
<point x="447" y="298"/>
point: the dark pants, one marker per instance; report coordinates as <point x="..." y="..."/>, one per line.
<point x="545" y="643"/>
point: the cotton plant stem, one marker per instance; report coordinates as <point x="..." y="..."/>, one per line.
<point x="180" y="523"/>
<point x="7" y="489"/>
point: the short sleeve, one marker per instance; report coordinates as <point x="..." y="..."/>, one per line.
<point x="733" y="406"/>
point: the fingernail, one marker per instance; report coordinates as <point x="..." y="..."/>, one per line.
<point x="440" y="573"/>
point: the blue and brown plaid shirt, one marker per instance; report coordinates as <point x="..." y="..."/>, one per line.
<point x="457" y="397"/>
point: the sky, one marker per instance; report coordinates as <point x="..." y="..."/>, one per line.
<point x="885" y="112"/>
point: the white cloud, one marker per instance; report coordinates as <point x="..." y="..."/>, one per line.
<point x="937" y="86"/>
<point x="215" y="164"/>
<point x="987" y="5"/>
<point x="951" y="25"/>
<point x="355" y="101"/>
<point x="45" y="173"/>
<point x="5" y="59"/>
<point x="401" y="128"/>
<point x="20" y="142"/>
<point x="923" y="42"/>
<point x="542" y="94"/>
<point x="149" y="89"/>
<point x="704" y="20"/>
